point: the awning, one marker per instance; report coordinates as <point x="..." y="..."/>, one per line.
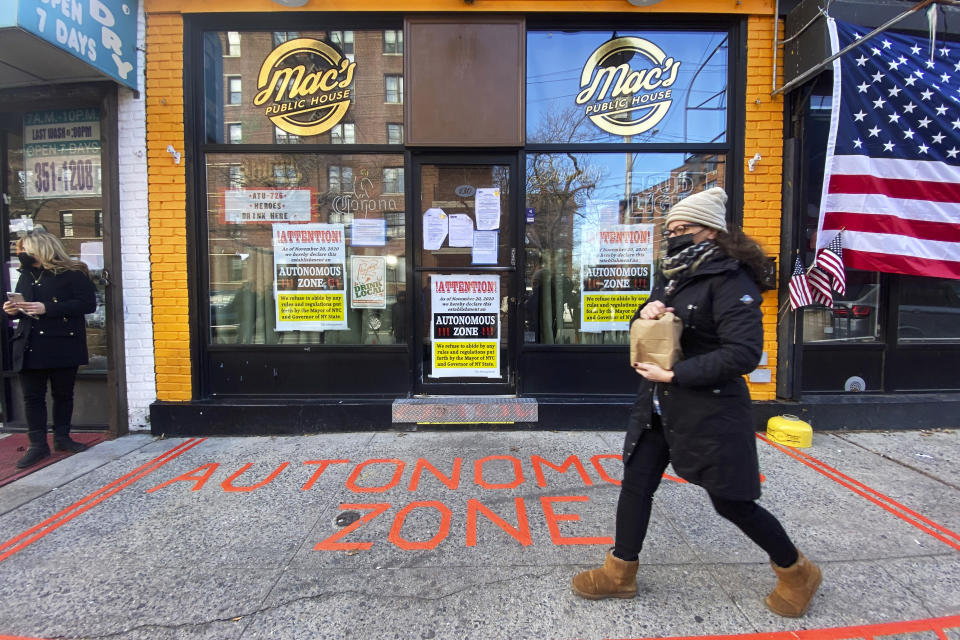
<point x="53" y="41"/>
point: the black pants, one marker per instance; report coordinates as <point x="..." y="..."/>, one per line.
<point x="33" y="382"/>
<point x="641" y="477"/>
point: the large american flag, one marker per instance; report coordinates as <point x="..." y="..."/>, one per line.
<point x="892" y="176"/>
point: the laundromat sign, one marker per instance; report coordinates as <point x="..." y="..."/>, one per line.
<point x="304" y="86"/>
<point x="625" y="85"/>
<point x="102" y="33"/>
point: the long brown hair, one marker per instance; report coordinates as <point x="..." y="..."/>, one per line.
<point x="47" y="249"/>
<point x="741" y="247"/>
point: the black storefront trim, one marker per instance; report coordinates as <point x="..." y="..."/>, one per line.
<point x="251" y="416"/>
<point x="863" y="411"/>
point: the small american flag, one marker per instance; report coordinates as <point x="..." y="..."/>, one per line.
<point x="830" y="260"/>
<point x="799" y="289"/>
<point x="820" y="291"/>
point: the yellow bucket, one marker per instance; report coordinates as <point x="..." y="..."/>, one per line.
<point x="789" y="430"/>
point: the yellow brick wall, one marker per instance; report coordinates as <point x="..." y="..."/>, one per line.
<point x="168" y="238"/>
<point x="761" y="187"/>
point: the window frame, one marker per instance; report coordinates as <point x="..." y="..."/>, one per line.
<point x="230" y="92"/>
<point x="230" y="129"/>
<point x="730" y="147"/>
<point x="397" y="42"/>
<point x="344" y="41"/>
<point x="400" y="138"/>
<point x="66" y="225"/>
<point x="282" y="137"/>
<point x="398" y="77"/>
<point x="399" y="180"/>
<point x="234" y="49"/>
<point x="339" y="370"/>
<point x="345" y="131"/>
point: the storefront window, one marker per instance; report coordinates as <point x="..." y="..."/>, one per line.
<point x="333" y="92"/>
<point x="59" y="186"/>
<point x="593" y="229"/>
<point x="855" y="317"/>
<point x="306" y="248"/>
<point x="929" y="310"/>
<point x="626" y="86"/>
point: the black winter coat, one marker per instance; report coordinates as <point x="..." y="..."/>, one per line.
<point x="705" y="410"/>
<point x="58" y="338"/>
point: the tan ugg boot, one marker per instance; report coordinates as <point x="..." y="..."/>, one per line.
<point x="795" y="588"/>
<point x="615" y="579"/>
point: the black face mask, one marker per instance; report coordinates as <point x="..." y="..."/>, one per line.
<point x="676" y="244"/>
<point x="26" y="260"/>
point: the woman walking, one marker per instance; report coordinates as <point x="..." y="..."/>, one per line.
<point x="50" y="342"/>
<point x="697" y="415"/>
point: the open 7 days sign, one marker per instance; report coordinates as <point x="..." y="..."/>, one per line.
<point x="304" y="85"/>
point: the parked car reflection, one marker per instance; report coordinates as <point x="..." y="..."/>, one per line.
<point x="928" y="310"/>
<point x="855" y="315"/>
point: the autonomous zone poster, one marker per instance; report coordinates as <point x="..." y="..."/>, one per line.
<point x="465" y="326"/>
<point x="309" y="277"/>
<point x="616" y="272"/>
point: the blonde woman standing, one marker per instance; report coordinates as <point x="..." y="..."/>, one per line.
<point x="50" y="342"/>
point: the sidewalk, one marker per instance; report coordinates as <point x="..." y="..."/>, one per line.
<point x="14" y="445"/>
<point x="464" y="535"/>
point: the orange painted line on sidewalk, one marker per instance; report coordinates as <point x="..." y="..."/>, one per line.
<point x="906" y="514"/>
<point x="57" y="520"/>
<point x="891" y="501"/>
<point x="861" y="632"/>
<point x="864" y="632"/>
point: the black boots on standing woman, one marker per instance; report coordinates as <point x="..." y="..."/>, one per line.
<point x="39" y="449"/>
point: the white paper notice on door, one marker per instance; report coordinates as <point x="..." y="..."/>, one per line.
<point x="461" y="230"/>
<point x="368" y="232"/>
<point x="487" y="208"/>
<point x="485" y="247"/>
<point x="434" y="229"/>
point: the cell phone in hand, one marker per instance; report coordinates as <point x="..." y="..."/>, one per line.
<point x="17" y="298"/>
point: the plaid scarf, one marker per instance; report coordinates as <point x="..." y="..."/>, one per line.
<point x="682" y="265"/>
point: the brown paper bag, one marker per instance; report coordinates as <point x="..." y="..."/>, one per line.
<point x="656" y="341"/>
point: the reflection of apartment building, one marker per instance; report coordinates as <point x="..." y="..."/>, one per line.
<point x="375" y="117"/>
<point x="656" y="193"/>
<point x="377" y="85"/>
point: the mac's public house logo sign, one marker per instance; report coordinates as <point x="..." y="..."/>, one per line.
<point x="305" y="86"/>
<point x="625" y="85"/>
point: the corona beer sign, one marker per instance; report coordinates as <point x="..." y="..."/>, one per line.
<point x="625" y="99"/>
<point x="305" y="85"/>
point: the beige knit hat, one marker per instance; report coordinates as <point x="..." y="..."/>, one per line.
<point x="707" y="208"/>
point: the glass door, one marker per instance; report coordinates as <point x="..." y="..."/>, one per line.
<point x="465" y="274"/>
<point x="63" y="194"/>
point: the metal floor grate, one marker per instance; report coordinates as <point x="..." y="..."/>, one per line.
<point x="465" y="410"/>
